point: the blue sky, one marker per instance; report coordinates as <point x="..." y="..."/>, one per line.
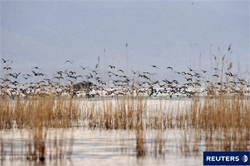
<point x="164" y="33"/>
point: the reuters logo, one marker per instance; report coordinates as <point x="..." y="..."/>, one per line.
<point x="244" y="158"/>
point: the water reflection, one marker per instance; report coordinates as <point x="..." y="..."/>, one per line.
<point x="107" y="147"/>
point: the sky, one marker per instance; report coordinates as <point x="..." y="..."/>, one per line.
<point x="163" y="33"/>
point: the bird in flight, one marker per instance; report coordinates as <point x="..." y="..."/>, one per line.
<point x="38" y="74"/>
<point x="216" y="68"/>
<point x="59" y="77"/>
<point x="216" y="75"/>
<point x="7" y="68"/>
<point x="192" y="3"/>
<point x="120" y="71"/>
<point x="204" y="71"/>
<point x="26" y="76"/>
<point x="170" y="68"/>
<point x="4" y="61"/>
<point x="68" y="61"/>
<point x="229" y="74"/>
<point x="112" y="66"/>
<point x="84" y="67"/>
<point x="134" y="72"/>
<point x="190" y="69"/>
<point x="72" y="72"/>
<point x="36" y="68"/>
<point x="154" y="66"/>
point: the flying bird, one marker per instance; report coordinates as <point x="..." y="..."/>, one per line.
<point x="229" y="48"/>
<point x="120" y="71"/>
<point x="59" y="77"/>
<point x="68" y="61"/>
<point x="72" y="72"/>
<point x="7" y="68"/>
<point x="216" y="68"/>
<point x="229" y="74"/>
<point x="154" y="66"/>
<point x="36" y="68"/>
<point x="215" y="75"/>
<point x="203" y="71"/>
<point x="112" y="66"/>
<point x="38" y="74"/>
<point x="134" y="72"/>
<point x="84" y="67"/>
<point x="4" y="61"/>
<point x="190" y="69"/>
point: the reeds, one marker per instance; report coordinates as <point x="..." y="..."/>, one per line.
<point x="223" y="123"/>
<point x="40" y="115"/>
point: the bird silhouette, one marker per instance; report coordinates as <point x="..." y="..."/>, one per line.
<point x="72" y="72"/>
<point x="229" y="48"/>
<point x="134" y="72"/>
<point x="38" y="74"/>
<point x="120" y="71"/>
<point x="154" y="66"/>
<point x="68" y="61"/>
<point x="7" y="68"/>
<point x="59" y="77"/>
<point x="36" y="68"/>
<point x="112" y="67"/>
<point x="204" y="71"/>
<point x="84" y="67"/>
<point x="4" y="61"/>
<point x="216" y="75"/>
<point x="229" y="74"/>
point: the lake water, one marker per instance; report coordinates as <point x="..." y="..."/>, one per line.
<point x="110" y="147"/>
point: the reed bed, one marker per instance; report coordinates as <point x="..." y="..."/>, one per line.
<point x="38" y="116"/>
<point x="221" y="123"/>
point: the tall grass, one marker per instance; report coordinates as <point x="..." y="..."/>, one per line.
<point x="223" y="123"/>
<point x="38" y="115"/>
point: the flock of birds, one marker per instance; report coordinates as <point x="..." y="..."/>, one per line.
<point x="119" y="82"/>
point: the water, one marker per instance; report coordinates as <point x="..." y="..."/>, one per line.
<point x="110" y="147"/>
